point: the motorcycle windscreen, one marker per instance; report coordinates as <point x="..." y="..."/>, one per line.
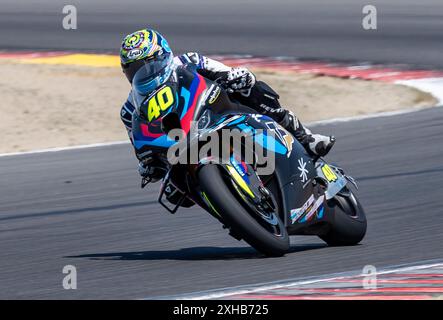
<point x="182" y="98"/>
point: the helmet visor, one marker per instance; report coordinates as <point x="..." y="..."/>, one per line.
<point x="151" y="74"/>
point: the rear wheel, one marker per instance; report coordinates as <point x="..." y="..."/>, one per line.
<point x="267" y="234"/>
<point x="349" y="226"/>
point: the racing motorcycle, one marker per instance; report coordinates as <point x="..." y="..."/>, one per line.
<point x="304" y="195"/>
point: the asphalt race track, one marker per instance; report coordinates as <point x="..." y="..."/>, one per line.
<point x="409" y="31"/>
<point x="85" y="208"/>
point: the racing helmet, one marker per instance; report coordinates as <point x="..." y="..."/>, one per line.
<point x="146" y="60"/>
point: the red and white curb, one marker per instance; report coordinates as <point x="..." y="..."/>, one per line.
<point x="364" y="71"/>
<point x="417" y="282"/>
<point x="430" y="81"/>
<point x="352" y="71"/>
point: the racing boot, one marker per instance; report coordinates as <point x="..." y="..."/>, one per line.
<point x="315" y="144"/>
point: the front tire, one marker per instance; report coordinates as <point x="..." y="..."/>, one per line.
<point x="349" y="226"/>
<point x="237" y="217"/>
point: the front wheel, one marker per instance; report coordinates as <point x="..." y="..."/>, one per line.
<point x="270" y="240"/>
<point x="349" y="226"/>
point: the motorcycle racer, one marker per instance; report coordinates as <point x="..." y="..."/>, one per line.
<point x="149" y="49"/>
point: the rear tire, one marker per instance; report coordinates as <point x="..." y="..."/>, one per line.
<point x="349" y="226"/>
<point x="237" y="217"/>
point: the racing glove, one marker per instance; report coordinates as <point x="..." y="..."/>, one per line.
<point x="150" y="172"/>
<point x="240" y="80"/>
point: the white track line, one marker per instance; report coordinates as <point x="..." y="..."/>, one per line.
<point x="368" y="116"/>
<point x="85" y="146"/>
<point x="224" y="292"/>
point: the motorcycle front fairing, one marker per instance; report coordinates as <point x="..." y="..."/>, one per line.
<point x="182" y="95"/>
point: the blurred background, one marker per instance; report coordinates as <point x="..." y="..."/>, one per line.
<point x="408" y="31"/>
